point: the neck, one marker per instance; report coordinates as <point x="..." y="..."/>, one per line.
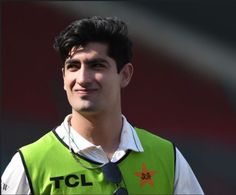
<point x="100" y="130"/>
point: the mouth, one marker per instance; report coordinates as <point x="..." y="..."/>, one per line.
<point x="85" y="91"/>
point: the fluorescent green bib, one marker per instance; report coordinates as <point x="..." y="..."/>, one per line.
<point x="51" y="169"/>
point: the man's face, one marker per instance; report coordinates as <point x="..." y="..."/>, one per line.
<point x="91" y="80"/>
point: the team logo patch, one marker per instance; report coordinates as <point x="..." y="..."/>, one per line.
<point x="146" y="176"/>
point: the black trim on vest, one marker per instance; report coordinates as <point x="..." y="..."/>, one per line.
<point x="174" y="150"/>
<point x="27" y="172"/>
<point x="124" y="157"/>
<point x="84" y="158"/>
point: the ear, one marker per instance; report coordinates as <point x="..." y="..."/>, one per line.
<point x="126" y="74"/>
<point x="63" y="76"/>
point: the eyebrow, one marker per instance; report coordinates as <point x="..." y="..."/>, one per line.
<point x="92" y="61"/>
<point x="71" y="61"/>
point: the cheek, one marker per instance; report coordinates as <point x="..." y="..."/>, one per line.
<point x="113" y="85"/>
<point x="65" y="84"/>
<point x="68" y="82"/>
<point x="100" y="80"/>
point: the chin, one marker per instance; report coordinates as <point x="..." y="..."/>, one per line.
<point x="86" y="110"/>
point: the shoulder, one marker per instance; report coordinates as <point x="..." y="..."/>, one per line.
<point x="157" y="146"/>
<point x="148" y="138"/>
<point x="41" y="149"/>
<point x="45" y="141"/>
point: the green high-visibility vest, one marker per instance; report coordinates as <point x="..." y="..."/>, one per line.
<point x="52" y="169"/>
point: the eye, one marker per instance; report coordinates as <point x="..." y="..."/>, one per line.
<point x="98" y="66"/>
<point x="72" y="67"/>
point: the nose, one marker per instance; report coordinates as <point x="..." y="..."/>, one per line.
<point x="84" y="76"/>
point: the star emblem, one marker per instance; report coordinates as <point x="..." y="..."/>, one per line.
<point x="145" y="176"/>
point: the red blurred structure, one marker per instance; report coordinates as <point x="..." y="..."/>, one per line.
<point x="190" y="109"/>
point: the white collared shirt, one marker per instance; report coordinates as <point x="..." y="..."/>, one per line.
<point x="14" y="180"/>
<point x="129" y="141"/>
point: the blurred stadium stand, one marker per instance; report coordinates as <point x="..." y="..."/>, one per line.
<point x="184" y="86"/>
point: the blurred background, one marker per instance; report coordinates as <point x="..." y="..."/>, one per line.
<point x="183" y="88"/>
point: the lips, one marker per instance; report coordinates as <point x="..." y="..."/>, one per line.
<point x="85" y="91"/>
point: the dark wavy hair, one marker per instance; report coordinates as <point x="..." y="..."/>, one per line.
<point x="109" y="30"/>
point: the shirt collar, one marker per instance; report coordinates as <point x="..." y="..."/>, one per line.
<point x="129" y="139"/>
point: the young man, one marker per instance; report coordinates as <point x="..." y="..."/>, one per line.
<point x="96" y="150"/>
